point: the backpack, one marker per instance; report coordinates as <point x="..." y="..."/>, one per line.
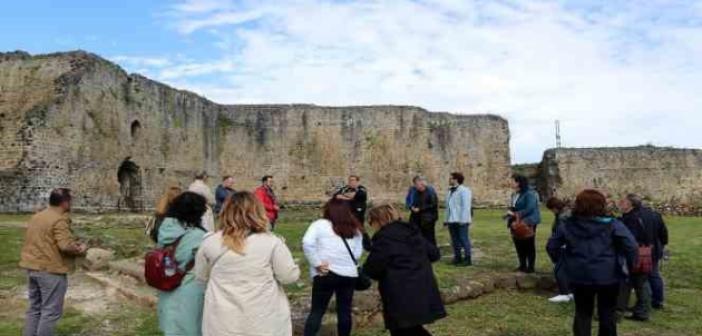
<point x="155" y="268"/>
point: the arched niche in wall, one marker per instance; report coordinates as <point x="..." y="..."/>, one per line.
<point x="135" y="130"/>
<point x="130" y="188"/>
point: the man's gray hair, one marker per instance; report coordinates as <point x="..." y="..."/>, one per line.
<point x="635" y="200"/>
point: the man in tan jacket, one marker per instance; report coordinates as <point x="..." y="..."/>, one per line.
<point x="47" y="255"/>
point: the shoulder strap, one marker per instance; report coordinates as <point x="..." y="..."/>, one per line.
<point x="174" y="245"/>
<point x="349" y="249"/>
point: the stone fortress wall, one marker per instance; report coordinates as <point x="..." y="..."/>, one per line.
<point x="669" y="178"/>
<point x="118" y="140"/>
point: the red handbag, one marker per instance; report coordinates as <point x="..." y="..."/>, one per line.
<point x="520" y="229"/>
<point x="644" y="263"/>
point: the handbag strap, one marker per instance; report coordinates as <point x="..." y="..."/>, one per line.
<point x="174" y="246"/>
<point x="349" y="249"/>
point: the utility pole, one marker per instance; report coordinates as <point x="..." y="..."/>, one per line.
<point x="558" y="134"/>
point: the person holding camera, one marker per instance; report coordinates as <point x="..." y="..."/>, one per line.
<point x="357" y="197"/>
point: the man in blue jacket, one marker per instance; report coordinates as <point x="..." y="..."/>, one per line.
<point x="458" y="219"/>
<point x="222" y="192"/>
<point x="424" y="205"/>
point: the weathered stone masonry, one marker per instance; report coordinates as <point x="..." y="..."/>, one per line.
<point x="667" y="177"/>
<point x="76" y="120"/>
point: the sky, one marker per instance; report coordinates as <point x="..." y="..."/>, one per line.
<point x="614" y="73"/>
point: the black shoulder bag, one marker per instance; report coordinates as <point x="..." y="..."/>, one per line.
<point x="363" y="282"/>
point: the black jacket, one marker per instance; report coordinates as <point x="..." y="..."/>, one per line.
<point x="648" y="227"/>
<point x="559" y="219"/>
<point x="598" y="251"/>
<point x="428" y="205"/>
<point x="359" y="203"/>
<point x="400" y="260"/>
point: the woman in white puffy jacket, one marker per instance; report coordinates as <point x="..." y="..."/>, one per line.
<point x="332" y="245"/>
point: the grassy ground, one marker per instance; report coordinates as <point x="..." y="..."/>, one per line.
<point x="501" y="313"/>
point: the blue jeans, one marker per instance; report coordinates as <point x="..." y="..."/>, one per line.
<point x="656" y="282"/>
<point x="459" y="240"/>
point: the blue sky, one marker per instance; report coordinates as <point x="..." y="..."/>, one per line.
<point x="616" y="73"/>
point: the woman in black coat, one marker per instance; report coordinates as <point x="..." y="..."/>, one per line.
<point x="400" y="260"/>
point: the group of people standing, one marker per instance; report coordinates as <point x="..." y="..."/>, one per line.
<point x="400" y="257"/>
<point x="236" y="272"/>
<point x="423" y="203"/>
<point x="599" y="258"/>
<point x="233" y="268"/>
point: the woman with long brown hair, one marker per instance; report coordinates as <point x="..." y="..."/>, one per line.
<point x="400" y="260"/>
<point x="162" y="207"/>
<point x="245" y="266"/>
<point x="332" y="245"/>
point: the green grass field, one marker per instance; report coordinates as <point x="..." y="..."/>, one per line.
<point x="500" y="313"/>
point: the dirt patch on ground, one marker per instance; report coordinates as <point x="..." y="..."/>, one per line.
<point x="90" y="297"/>
<point x="84" y="295"/>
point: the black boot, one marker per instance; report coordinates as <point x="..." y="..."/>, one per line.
<point x="468" y="261"/>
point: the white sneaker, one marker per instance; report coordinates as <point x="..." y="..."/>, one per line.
<point x="560" y="299"/>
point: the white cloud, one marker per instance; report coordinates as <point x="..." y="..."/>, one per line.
<point x="625" y="74"/>
<point x="141" y="61"/>
<point x="201" y="6"/>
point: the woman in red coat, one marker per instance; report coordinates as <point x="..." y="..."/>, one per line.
<point x="265" y="194"/>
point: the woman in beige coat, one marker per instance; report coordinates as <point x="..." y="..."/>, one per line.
<point x="244" y="267"/>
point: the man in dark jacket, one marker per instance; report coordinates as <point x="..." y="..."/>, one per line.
<point x="357" y="196"/>
<point x="400" y="260"/>
<point x="222" y="192"/>
<point x="648" y="228"/>
<point x="425" y="208"/>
